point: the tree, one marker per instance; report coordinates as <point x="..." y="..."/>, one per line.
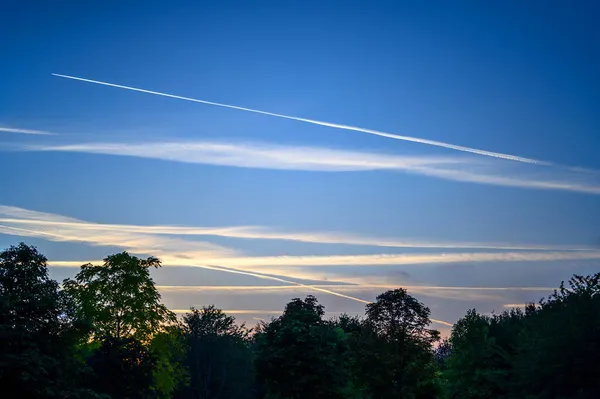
<point x="37" y="334"/>
<point x="120" y="298"/>
<point x="123" y="368"/>
<point x="359" y="339"/>
<point x="220" y="357"/>
<point x="442" y="353"/>
<point x="399" y="362"/>
<point x="559" y="346"/>
<point x="300" y="355"/>
<point x="470" y="368"/>
<point x="170" y="349"/>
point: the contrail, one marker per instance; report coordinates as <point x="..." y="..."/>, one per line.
<point x="26" y="131"/>
<point x="310" y="287"/>
<point x="321" y="123"/>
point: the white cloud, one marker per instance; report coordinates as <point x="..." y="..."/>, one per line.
<point x="177" y="251"/>
<point x="256" y="155"/>
<point x="174" y="251"/>
<point x="266" y="263"/>
<point x="25" y="131"/>
<point x="497" y="294"/>
<point x="19" y="219"/>
<point x="251" y="289"/>
<point x="305" y="158"/>
<point x="54" y="227"/>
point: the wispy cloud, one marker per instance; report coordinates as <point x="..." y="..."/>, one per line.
<point x="258" y="155"/>
<point x="190" y="262"/>
<point x="497" y="294"/>
<point x="20" y="219"/>
<point x="170" y="250"/>
<point x="248" y="289"/>
<point x="306" y="158"/>
<point x="267" y="262"/>
<point x="321" y="123"/>
<point x="44" y="225"/>
<point x="178" y="251"/>
<point x="25" y="131"/>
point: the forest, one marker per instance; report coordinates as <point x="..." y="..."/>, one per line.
<point x="105" y="334"/>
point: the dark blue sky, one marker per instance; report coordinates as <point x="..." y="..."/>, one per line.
<point x="512" y="77"/>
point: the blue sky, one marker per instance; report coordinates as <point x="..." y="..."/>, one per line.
<point x="505" y="77"/>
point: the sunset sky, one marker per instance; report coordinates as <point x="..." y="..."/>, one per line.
<point x="447" y="147"/>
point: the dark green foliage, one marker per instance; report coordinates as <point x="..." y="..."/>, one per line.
<point x="470" y="370"/>
<point x="442" y="353"/>
<point x="169" y="347"/>
<point x="37" y="335"/>
<point x="106" y="335"/>
<point x="559" y="347"/>
<point x="547" y="351"/>
<point x="119" y="298"/>
<point x="122" y="368"/>
<point x="399" y="360"/>
<point x="300" y="355"/>
<point x="220" y="356"/>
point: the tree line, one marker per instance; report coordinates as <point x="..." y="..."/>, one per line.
<point x="105" y="334"/>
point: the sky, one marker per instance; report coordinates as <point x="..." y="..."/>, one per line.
<point x="446" y="147"/>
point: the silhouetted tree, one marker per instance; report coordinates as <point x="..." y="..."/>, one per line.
<point x="399" y="361"/>
<point x="128" y="322"/>
<point x="107" y="335"/>
<point x="220" y="358"/>
<point x="300" y="355"/>
<point x="37" y="333"/>
<point x="170" y="349"/>
<point x="441" y="353"/>
<point x="470" y="369"/>
<point x="119" y="298"/>
<point x="559" y="347"/>
<point x="123" y="368"/>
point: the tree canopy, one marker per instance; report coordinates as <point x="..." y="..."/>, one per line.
<point x="119" y="298"/>
<point x="107" y="335"/>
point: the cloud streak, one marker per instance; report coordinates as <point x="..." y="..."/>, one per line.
<point x="177" y="251"/>
<point x="258" y="155"/>
<point x="247" y="289"/>
<point x="497" y="294"/>
<point x="48" y="224"/>
<point x="26" y="223"/>
<point x="26" y="131"/>
<point x="266" y="262"/>
<point x="306" y="158"/>
<point x="169" y="250"/>
<point x="320" y="123"/>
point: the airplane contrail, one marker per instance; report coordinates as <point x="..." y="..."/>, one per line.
<point x="26" y="131"/>
<point x="308" y="286"/>
<point x="321" y="123"/>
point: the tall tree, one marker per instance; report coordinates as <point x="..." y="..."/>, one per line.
<point x="170" y="349"/>
<point x="37" y="334"/>
<point x="400" y="358"/>
<point x="470" y="368"/>
<point x="559" y="347"/>
<point x="300" y="355"/>
<point x="120" y="298"/>
<point x="220" y="357"/>
<point x="359" y="339"/>
<point x="123" y="368"/>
